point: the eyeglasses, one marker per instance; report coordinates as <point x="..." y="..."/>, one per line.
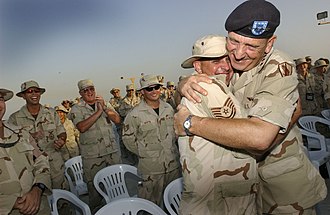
<point x="149" y="89"/>
<point x="29" y="91"/>
<point x="91" y="89"/>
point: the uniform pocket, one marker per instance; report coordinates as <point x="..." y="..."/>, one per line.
<point x="286" y="182"/>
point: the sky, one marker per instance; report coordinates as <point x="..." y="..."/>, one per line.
<point x="59" y="42"/>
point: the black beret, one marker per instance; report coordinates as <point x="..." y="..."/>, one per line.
<point x="254" y="19"/>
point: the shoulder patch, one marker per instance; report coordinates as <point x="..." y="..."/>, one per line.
<point x="285" y="69"/>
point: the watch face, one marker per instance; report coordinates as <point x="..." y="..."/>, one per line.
<point x="186" y="124"/>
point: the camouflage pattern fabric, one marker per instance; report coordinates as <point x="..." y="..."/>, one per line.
<point x="269" y="92"/>
<point x="98" y="147"/>
<point x="19" y="170"/>
<point x="151" y="137"/>
<point x="70" y="149"/>
<point x="306" y="89"/>
<point x="115" y="102"/>
<point x="326" y="85"/>
<point x="319" y="93"/>
<point x="45" y="129"/>
<point x="216" y="179"/>
<point x="127" y="104"/>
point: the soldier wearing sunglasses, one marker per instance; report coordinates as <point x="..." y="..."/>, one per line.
<point x="148" y="132"/>
<point x="94" y="118"/>
<point x="24" y="169"/>
<point x="46" y="128"/>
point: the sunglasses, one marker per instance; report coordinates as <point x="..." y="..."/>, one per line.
<point x="91" y="89"/>
<point x="149" y="89"/>
<point x="29" y="91"/>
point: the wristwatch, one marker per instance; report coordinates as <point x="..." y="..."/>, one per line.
<point x="41" y="186"/>
<point x="187" y="125"/>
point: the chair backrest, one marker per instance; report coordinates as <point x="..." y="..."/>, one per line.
<point x="112" y="179"/>
<point x="74" y="167"/>
<point x="309" y="122"/>
<point x="172" y="196"/>
<point x="66" y="195"/>
<point x="326" y="114"/>
<point x="311" y="137"/>
<point x="130" y="206"/>
<point x="318" y="157"/>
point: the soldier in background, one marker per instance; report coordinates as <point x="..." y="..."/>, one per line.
<point x="24" y="169"/>
<point x="46" y="128"/>
<point x="94" y="117"/>
<point x="170" y="91"/>
<point x="148" y="132"/>
<point x="116" y="98"/>
<point x="71" y="148"/>
<point x="320" y="68"/>
<point x="129" y="101"/>
<point x="306" y="87"/>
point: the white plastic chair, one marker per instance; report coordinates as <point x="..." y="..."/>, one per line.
<point x="326" y="114"/>
<point x="78" y="186"/>
<point x="309" y="123"/>
<point x="112" y="179"/>
<point x="130" y="206"/>
<point x="317" y="157"/>
<point x="172" y="196"/>
<point x="58" y="194"/>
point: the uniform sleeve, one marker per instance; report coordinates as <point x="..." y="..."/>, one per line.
<point x="42" y="171"/>
<point x="7" y="203"/>
<point x="276" y="98"/>
<point x="326" y="85"/>
<point x="129" y="133"/>
<point x="76" y="115"/>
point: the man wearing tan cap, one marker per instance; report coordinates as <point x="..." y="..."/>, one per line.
<point x="93" y="117"/>
<point x="265" y="83"/>
<point x="148" y="132"/>
<point x="46" y="128"/>
<point x="320" y="68"/>
<point x="306" y="87"/>
<point x="116" y="98"/>
<point x="208" y="168"/>
<point x="129" y="101"/>
<point x="24" y="169"/>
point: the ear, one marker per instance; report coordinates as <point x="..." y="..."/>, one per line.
<point x="270" y="43"/>
<point x="197" y="66"/>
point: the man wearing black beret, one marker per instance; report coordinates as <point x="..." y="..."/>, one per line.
<point x="265" y="82"/>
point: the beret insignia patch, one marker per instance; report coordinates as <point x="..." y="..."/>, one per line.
<point x="259" y="27"/>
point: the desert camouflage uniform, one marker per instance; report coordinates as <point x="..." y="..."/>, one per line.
<point x="70" y="149"/>
<point x="45" y="130"/>
<point x="127" y="104"/>
<point x="98" y="147"/>
<point x="115" y="102"/>
<point x="326" y="85"/>
<point x="290" y="183"/>
<point x="306" y="89"/>
<point x="217" y="180"/>
<point x="19" y="170"/>
<point x="151" y="137"/>
<point x="319" y="93"/>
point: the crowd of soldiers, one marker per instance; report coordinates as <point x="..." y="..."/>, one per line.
<point x="314" y="84"/>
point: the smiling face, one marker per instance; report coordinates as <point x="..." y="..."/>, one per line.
<point x="32" y="96"/>
<point x="88" y="95"/>
<point x="245" y="53"/>
<point x="151" y="93"/>
<point x="213" y="66"/>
